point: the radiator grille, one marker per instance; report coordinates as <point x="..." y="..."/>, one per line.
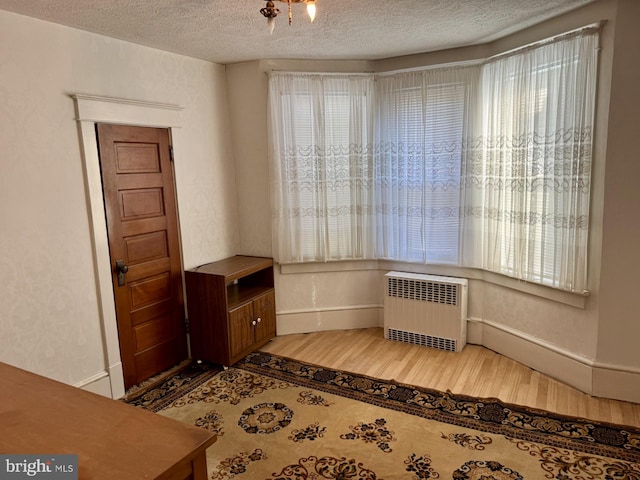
<point x="426" y="310"/>
<point x="414" y="338"/>
<point x="421" y="290"/>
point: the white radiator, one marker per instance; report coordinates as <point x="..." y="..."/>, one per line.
<point x="426" y="310"/>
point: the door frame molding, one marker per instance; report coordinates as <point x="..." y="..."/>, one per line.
<point x="89" y="110"/>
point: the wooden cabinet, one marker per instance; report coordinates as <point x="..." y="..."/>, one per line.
<point x="252" y="324"/>
<point x="231" y="308"/>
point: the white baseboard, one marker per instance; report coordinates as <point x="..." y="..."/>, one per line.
<point x="532" y="352"/>
<point x="108" y="383"/>
<point x="599" y="379"/>
<point x="614" y="381"/>
<point x="582" y="373"/>
<point x="594" y="378"/>
<point x="343" y="318"/>
<point x="116" y="377"/>
<point x="98" y="383"/>
<point x="541" y="356"/>
<point x="474" y="331"/>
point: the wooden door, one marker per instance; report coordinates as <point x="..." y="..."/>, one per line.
<point x="140" y="204"/>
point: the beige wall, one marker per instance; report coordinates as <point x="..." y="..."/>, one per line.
<point x="49" y="313"/>
<point x="248" y="117"/>
<point x="250" y="143"/>
<point x="566" y="336"/>
<point x="619" y="314"/>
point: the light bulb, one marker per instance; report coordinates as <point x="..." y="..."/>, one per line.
<point x="271" y="22"/>
<point x="311" y="10"/>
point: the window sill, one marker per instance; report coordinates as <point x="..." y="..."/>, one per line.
<point x="324" y="267"/>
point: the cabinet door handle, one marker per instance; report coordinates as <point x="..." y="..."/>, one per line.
<point x="254" y="323"/>
<point x="259" y="319"/>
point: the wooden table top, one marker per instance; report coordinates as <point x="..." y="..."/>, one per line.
<point x="112" y="439"/>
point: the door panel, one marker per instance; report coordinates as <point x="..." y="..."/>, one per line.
<point x="150" y="290"/>
<point x="143" y="248"/>
<point x="264" y="309"/>
<point x="154" y="332"/>
<point x="142" y="226"/>
<point x="137" y="159"/>
<point x="240" y="329"/>
<point x="138" y="204"/>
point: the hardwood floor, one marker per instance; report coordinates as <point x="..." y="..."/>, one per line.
<point x="475" y="371"/>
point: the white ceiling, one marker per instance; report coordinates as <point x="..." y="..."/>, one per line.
<point x="233" y="30"/>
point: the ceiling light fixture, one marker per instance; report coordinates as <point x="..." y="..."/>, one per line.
<point x="271" y="12"/>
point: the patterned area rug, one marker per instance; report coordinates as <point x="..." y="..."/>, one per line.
<point x="278" y="418"/>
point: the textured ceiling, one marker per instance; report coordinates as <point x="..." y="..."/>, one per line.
<point x="234" y="31"/>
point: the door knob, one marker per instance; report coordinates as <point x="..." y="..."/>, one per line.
<point x="121" y="268"/>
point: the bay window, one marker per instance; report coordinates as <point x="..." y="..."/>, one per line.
<point x="485" y="166"/>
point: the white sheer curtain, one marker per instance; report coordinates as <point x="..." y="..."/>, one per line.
<point x="536" y="140"/>
<point x="485" y="166"/>
<point x="423" y="122"/>
<point x="322" y="167"/>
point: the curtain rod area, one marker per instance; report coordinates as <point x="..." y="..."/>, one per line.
<point x="594" y="27"/>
